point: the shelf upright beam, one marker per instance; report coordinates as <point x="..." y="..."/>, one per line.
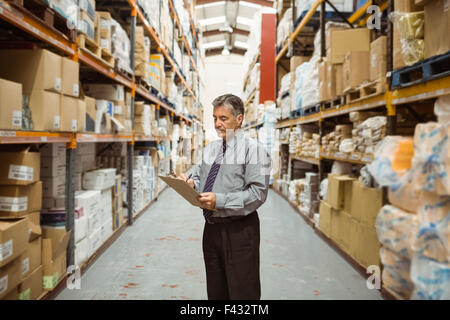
<point x="323" y="51"/>
<point x="130" y="146"/>
<point x="70" y="198"/>
<point x="267" y="58"/>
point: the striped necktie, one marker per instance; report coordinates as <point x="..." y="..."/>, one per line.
<point x="212" y="176"/>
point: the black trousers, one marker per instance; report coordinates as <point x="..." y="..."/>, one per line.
<point x="231" y="253"/>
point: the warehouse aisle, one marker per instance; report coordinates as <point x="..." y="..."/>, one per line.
<point x="160" y="257"/>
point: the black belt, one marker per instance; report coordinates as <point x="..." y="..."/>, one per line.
<point x="214" y="220"/>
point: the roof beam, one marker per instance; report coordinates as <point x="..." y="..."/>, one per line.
<point x="216" y="51"/>
<point x="210" y="33"/>
<point x="264" y="3"/>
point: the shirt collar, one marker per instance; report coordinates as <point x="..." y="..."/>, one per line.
<point x="238" y="134"/>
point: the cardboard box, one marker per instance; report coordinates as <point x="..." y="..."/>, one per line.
<point x="13" y="239"/>
<point x="82" y="251"/>
<point x="10" y="105"/>
<point x="54" y="245"/>
<point x="17" y="201"/>
<point x="84" y="162"/>
<point x="325" y="220"/>
<point x="334" y="80"/>
<point x="104" y="23"/>
<point x="353" y="236"/>
<point x="356" y="69"/>
<point x="343" y="41"/>
<point x="54" y="187"/>
<point x="341" y="230"/>
<point x="45" y="110"/>
<point x="81" y="115"/>
<point x="99" y="179"/>
<point x="53" y="166"/>
<point x="296" y="61"/>
<point x="31" y="258"/>
<point x="361" y="196"/>
<point x="70" y="77"/>
<point x="37" y="69"/>
<point x="437" y="28"/>
<point x="31" y="287"/>
<point x="10" y="277"/>
<point x="108" y="92"/>
<point x="323" y="92"/>
<point x="95" y="240"/>
<point x="378" y="59"/>
<point x="34" y="226"/>
<point x="21" y="165"/>
<point x="81" y="228"/>
<point x="12" y="295"/>
<point x="90" y="114"/>
<point x="53" y="150"/>
<point x="338" y="186"/>
<point x="69" y="114"/>
<point x="369" y="247"/>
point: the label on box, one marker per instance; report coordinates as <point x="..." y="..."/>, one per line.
<point x="17" y="119"/>
<point x="25" y="265"/>
<point x="23" y="173"/>
<point x="11" y="204"/>
<point x="49" y="282"/>
<point x="3" y="284"/>
<point x="6" y="250"/>
<point x="58" y="84"/>
<point x="74" y="125"/>
<point x="374" y="60"/>
<point x="25" y="295"/>
<point x="76" y="89"/>
<point x="57" y="122"/>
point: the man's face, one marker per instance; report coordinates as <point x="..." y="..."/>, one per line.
<point x="225" y="120"/>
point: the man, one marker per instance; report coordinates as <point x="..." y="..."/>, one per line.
<point x="233" y="179"/>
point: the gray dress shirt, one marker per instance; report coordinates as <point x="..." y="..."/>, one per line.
<point x="242" y="182"/>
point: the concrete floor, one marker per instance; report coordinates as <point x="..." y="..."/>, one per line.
<point x="160" y="257"/>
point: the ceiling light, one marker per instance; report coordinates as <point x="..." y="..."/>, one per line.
<point x="225" y="52"/>
<point x="213" y="44"/>
<point x="243" y="20"/>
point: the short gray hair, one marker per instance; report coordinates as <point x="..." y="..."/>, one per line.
<point x="230" y="101"/>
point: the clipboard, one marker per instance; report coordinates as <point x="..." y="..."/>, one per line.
<point x="183" y="189"/>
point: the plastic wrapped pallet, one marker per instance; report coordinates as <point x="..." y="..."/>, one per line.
<point x="67" y="8"/>
<point x="284" y="27"/>
<point x="120" y="43"/>
<point x="411" y="32"/>
<point x="430" y="278"/>
<point x="396" y="273"/>
<point x="99" y="179"/>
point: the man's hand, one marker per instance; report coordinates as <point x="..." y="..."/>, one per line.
<point x="189" y="182"/>
<point x="208" y="200"/>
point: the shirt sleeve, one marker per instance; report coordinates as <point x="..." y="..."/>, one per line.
<point x="194" y="171"/>
<point x="257" y="175"/>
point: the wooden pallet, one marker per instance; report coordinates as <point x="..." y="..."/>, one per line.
<point x="141" y="82"/>
<point x="41" y="12"/>
<point x="107" y="57"/>
<point x="334" y="103"/>
<point x="425" y="70"/>
<point x="123" y="72"/>
<point x="311" y="109"/>
<point x="90" y="46"/>
<point x="364" y="91"/>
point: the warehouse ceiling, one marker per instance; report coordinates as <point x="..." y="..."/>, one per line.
<point x="226" y="23"/>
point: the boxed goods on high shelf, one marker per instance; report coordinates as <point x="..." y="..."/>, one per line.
<point x="408" y="42"/>
<point x="51" y="95"/>
<point x="302" y="6"/>
<point x="284" y="27"/>
<point x="142" y="55"/>
<point x="103" y="34"/>
<point x="414" y="228"/>
<point x="437" y="22"/>
<point x="157" y="75"/>
<point x="120" y="47"/>
<point x="151" y="10"/>
<point x="304" y="144"/>
<point x="145" y="188"/>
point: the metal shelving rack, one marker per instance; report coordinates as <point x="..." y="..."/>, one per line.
<point x="59" y="43"/>
<point x="390" y="99"/>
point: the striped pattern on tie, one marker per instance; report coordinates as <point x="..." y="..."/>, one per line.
<point x="212" y="176"/>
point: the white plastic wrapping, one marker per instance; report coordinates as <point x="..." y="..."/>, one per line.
<point x="395" y="229"/>
<point x="396" y="273"/>
<point x="323" y="189"/>
<point x="347" y="146"/>
<point x="442" y="109"/>
<point x="431" y="279"/>
<point x="120" y="44"/>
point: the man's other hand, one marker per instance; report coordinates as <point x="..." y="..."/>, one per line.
<point x="189" y="182"/>
<point x="208" y="200"/>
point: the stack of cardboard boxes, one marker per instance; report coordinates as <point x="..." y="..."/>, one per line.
<point x="309" y="197"/>
<point x="348" y="221"/>
<point x="87" y="18"/>
<point x="157" y="75"/>
<point x="29" y="263"/>
<point x="103" y="30"/>
<point x="52" y="92"/>
<point x="332" y="140"/>
<point x="53" y="175"/>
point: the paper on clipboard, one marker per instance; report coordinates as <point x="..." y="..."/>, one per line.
<point x="185" y="190"/>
